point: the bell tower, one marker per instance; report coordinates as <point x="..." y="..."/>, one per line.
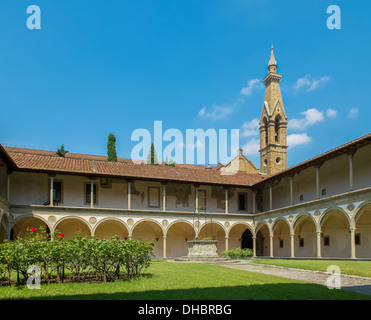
<point x="273" y="124"/>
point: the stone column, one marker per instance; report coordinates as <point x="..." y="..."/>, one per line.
<point x="51" y="195"/>
<point x="8" y="187"/>
<point x="271" y="246"/>
<point x="317" y="182"/>
<point x="226" y="243"/>
<point x="319" y="244"/>
<point x="164" y="197"/>
<point x="164" y="247"/>
<point x="270" y="198"/>
<point x="291" y="190"/>
<point x="352" y="243"/>
<point x="254" y="246"/>
<point x="292" y="245"/>
<point x="91" y="192"/>
<point x="129" y="195"/>
<point x="226" y="200"/>
<point x="254" y="202"/>
<point x="196" y="196"/>
<point x="351" y="185"/>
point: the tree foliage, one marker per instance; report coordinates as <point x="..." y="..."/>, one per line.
<point x="152" y="156"/>
<point x="61" y="152"/>
<point x="111" y="148"/>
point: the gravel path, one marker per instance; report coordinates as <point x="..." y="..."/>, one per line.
<point x="347" y="282"/>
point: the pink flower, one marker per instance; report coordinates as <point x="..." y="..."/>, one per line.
<point x="33" y="229"/>
<point x="61" y="234"/>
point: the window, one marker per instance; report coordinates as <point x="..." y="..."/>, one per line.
<point x="281" y="243"/>
<point x="276" y="129"/>
<point x="301" y="197"/>
<point x="202" y="199"/>
<point x="357" y="239"/>
<point x="326" y="240"/>
<point x="265" y="123"/>
<point x="301" y="242"/>
<point x="242" y="201"/>
<point x="323" y="192"/>
<point x="154" y="197"/>
<point x="88" y="193"/>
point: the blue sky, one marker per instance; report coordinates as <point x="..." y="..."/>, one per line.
<point x="97" y="67"/>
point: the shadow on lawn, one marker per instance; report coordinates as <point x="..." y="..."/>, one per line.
<point x="281" y="291"/>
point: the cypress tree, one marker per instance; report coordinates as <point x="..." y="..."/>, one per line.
<point x="111" y="148"/>
<point x="152" y="157"/>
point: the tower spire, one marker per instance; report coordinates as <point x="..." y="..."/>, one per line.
<point x="273" y="123"/>
<point x="272" y="64"/>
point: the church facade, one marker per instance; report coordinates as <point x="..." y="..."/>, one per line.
<point x="320" y="208"/>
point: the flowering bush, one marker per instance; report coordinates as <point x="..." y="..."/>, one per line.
<point x="79" y="259"/>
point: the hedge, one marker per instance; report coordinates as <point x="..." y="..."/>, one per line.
<point x="238" y="253"/>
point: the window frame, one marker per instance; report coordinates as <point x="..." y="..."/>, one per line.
<point x="158" y="197"/>
<point x="238" y="201"/>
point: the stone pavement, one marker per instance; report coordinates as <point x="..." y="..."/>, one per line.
<point x="347" y="282"/>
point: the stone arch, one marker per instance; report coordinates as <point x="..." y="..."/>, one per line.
<point x="109" y="227"/>
<point x="19" y="227"/>
<point x="152" y="231"/>
<point x="281" y="231"/>
<point x="216" y="231"/>
<point x="240" y="235"/>
<point x="262" y="234"/>
<point x="177" y="235"/>
<point x="335" y="226"/>
<point x="4" y="227"/>
<point x="330" y="210"/>
<point x="70" y="224"/>
<point x="305" y="241"/>
<point x="362" y="223"/>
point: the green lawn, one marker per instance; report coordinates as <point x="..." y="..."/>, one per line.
<point x="359" y="268"/>
<point x="186" y="281"/>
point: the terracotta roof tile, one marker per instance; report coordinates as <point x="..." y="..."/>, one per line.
<point x="49" y="162"/>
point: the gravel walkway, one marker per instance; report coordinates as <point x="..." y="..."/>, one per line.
<point x="347" y="282"/>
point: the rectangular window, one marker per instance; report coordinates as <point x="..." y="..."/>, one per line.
<point x="326" y="241"/>
<point x="357" y="239"/>
<point x="202" y="199"/>
<point x="242" y="201"/>
<point x="281" y="243"/>
<point x="88" y="192"/>
<point x="301" y="242"/>
<point x="154" y="197"/>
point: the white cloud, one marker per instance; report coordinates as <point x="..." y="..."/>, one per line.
<point x="297" y="139"/>
<point x="311" y="116"/>
<point x="250" y="128"/>
<point x="215" y="112"/>
<point x="353" y="113"/>
<point x="331" y="113"/>
<point x="251" y="148"/>
<point x="310" y="84"/>
<point x="252" y="85"/>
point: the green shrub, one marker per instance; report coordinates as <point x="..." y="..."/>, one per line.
<point x="238" y="253"/>
<point x="82" y="257"/>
